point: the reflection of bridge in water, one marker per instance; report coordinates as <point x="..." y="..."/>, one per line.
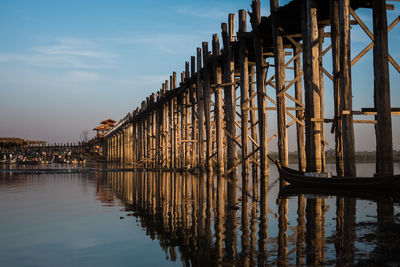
<point x="192" y="220"/>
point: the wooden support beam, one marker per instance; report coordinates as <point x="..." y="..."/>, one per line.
<point x="321" y="89"/>
<point x="207" y="106"/>
<point x="194" y="111"/>
<point x="171" y="125"/>
<point x="219" y="123"/>
<point x="384" y="137"/>
<point x="337" y="124"/>
<point x="261" y="93"/>
<point x="301" y="153"/>
<point x="200" y="106"/>
<point x="280" y="74"/>
<point x="253" y="122"/>
<point x="312" y="81"/>
<point x="228" y="36"/>
<point x="346" y="91"/>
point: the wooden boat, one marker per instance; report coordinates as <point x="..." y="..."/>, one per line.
<point x="298" y="178"/>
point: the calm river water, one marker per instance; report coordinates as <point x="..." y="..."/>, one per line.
<point x="161" y="219"/>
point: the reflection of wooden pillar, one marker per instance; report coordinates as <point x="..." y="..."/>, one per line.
<point x="311" y="81"/>
<point x="349" y="224"/>
<point x="313" y="234"/>
<point x="339" y="240"/>
<point x="282" y="235"/>
<point x="384" y="138"/>
<point x="219" y="219"/>
<point x="301" y="211"/>
<point x="346" y="92"/>
<point x="245" y="241"/>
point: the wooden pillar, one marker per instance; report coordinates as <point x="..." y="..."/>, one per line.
<point x="312" y="91"/>
<point x="244" y="95"/>
<point x="174" y="111"/>
<point x="261" y="95"/>
<point x="193" y="93"/>
<point x="279" y="59"/>
<point x="337" y="124"/>
<point x="253" y="122"/>
<point x="165" y="129"/>
<point x="114" y="147"/>
<point x="218" y="109"/>
<point x="301" y="152"/>
<point x="321" y="89"/>
<point x="171" y="125"/>
<point x="207" y="106"/>
<point x="384" y="138"/>
<point x="184" y="127"/>
<point x="230" y="108"/>
<point x="346" y="92"/>
<point x="228" y="35"/>
<point x="135" y="143"/>
<point x="200" y="111"/>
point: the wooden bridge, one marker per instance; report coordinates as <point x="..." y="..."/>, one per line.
<point x="216" y="117"/>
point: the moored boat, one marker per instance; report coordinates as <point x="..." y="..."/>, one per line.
<point x="302" y="179"/>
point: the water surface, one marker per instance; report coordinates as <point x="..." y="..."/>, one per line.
<point x="161" y="219"/>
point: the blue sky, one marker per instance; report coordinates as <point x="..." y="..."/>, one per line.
<point x="66" y="65"/>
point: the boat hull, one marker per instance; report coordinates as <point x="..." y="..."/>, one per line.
<point x="300" y="179"/>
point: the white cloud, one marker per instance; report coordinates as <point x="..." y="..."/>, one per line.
<point x="64" y="53"/>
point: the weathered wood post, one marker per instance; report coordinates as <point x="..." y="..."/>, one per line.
<point x="175" y="124"/>
<point x="230" y="107"/>
<point x="280" y="76"/>
<point x="244" y="94"/>
<point x="165" y="128"/>
<point x="321" y="32"/>
<point x="337" y="123"/>
<point x="346" y="94"/>
<point x="200" y="111"/>
<point x="261" y="95"/>
<point x="253" y="128"/>
<point x="311" y="81"/>
<point x="301" y="152"/>
<point x="207" y="106"/>
<point x="384" y="138"/>
<point x="218" y="108"/>
<point x="193" y="93"/>
<point x="171" y="123"/>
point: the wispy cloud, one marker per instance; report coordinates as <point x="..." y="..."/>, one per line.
<point x="64" y="53"/>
